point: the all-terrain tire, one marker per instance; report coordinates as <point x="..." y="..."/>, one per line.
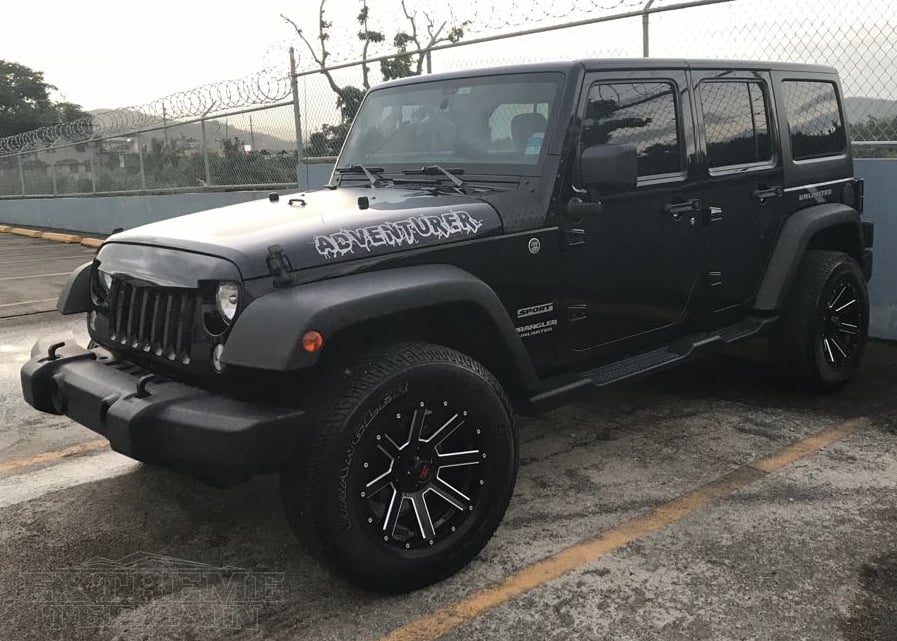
<point x="820" y="339"/>
<point x="369" y="449"/>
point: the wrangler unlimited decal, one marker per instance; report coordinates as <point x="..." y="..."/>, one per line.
<point x="408" y="231"/>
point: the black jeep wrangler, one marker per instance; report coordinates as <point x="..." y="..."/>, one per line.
<point x="491" y="242"/>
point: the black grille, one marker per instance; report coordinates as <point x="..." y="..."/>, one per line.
<point x="153" y="319"/>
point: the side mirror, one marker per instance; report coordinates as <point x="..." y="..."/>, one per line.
<point x="609" y="168"/>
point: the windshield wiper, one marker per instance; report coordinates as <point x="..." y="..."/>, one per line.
<point x="369" y="173"/>
<point x="435" y="170"/>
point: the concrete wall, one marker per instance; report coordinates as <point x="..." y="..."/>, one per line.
<point x="881" y="184"/>
<point x="102" y="214"/>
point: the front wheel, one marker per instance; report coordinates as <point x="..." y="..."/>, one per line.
<point x="410" y="469"/>
<point x="822" y="334"/>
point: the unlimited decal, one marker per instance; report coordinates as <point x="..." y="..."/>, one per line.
<point x="409" y="231"/>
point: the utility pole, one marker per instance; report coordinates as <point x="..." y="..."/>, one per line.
<point x="251" y="134"/>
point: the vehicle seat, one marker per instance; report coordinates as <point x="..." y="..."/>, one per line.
<point x="525" y="125"/>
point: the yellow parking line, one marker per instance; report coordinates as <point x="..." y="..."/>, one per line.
<point x="81" y="448"/>
<point x="437" y="623"/>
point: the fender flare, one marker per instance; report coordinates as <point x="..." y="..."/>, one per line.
<point x="798" y="230"/>
<point x="267" y="335"/>
<point x="75" y="295"/>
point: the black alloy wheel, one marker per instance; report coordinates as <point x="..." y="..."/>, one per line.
<point x="409" y="468"/>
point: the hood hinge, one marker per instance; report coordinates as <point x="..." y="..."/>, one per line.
<point x="279" y="266"/>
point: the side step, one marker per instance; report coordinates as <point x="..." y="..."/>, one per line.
<point x="656" y="360"/>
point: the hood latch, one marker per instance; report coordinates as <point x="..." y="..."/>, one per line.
<point x="279" y="266"/>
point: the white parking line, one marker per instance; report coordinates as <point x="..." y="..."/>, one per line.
<point x="35" y="276"/>
<point x="28" y="302"/>
<point x="28" y="486"/>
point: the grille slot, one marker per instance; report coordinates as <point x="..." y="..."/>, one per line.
<point x="153" y="319"/>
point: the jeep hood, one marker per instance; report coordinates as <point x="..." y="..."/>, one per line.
<point x="321" y="227"/>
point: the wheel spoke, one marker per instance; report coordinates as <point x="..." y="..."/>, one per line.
<point x="828" y="348"/>
<point x="846" y="305"/>
<point x="849" y="328"/>
<point x="388" y="447"/>
<point x="417" y="424"/>
<point x="450" y="493"/>
<point x="838" y="297"/>
<point x="838" y="347"/>
<point x="447" y="429"/>
<point x="457" y="459"/>
<point x="381" y="482"/>
<point x="422" y="513"/>
<point x="391" y="516"/>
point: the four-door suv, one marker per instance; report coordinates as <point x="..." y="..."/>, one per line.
<point x="491" y="242"/>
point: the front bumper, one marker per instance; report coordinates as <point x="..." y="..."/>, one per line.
<point x="157" y="420"/>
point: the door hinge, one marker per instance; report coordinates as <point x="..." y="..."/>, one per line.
<point x="714" y="279"/>
<point x="576" y="312"/>
<point x="574" y="237"/>
<point x="714" y="214"/>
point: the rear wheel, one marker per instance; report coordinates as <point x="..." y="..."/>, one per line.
<point x="820" y="341"/>
<point x="410" y="470"/>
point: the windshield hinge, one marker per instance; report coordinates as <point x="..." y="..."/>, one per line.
<point x="279" y="266"/>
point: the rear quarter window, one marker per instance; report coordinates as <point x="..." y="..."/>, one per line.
<point x="815" y="121"/>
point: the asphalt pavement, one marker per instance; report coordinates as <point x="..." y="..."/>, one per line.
<point x="32" y="271"/>
<point x="706" y="503"/>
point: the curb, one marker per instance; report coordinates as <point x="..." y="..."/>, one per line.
<point x="61" y="238"/>
<point x="57" y="237"/>
<point x="30" y="233"/>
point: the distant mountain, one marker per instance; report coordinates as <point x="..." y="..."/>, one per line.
<point x="216" y="129"/>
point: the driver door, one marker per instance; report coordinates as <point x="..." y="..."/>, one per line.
<point x="632" y="264"/>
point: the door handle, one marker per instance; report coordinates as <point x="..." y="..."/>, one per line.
<point x="765" y="193"/>
<point x="677" y="210"/>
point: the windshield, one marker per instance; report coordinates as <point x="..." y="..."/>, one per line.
<point x="492" y="124"/>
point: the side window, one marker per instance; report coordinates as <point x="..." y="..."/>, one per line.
<point x="736" y="124"/>
<point x="814" y="119"/>
<point x="639" y="113"/>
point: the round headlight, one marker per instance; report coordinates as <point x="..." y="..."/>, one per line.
<point x="226" y="299"/>
<point x="102" y="283"/>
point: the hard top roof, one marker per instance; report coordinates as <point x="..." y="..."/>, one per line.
<point x="610" y="64"/>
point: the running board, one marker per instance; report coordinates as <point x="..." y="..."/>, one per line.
<point x="656" y="360"/>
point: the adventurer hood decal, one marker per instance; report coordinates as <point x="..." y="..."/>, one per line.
<point x="323" y="227"/>
<point x="405" y="232"/>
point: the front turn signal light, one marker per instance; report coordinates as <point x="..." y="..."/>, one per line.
<point x="312" y="341"/>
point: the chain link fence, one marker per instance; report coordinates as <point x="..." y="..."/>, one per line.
<point x="250" y="140"/>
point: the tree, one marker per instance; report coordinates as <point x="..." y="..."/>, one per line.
<point x="412" y="48"/>
<point x="25" y="102"/>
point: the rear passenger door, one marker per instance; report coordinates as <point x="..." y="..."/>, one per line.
<point x="743" y="202"/>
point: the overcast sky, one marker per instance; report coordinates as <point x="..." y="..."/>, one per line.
<point x="109" y="53"/>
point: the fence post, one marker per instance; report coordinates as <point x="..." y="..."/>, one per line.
<point x="294" y="85"/>
<point x="53" y="177"/>
<point x="140" y="161"/>
<point x="646" y="36"/>
<point x="205" y="149"/>
<point x="93" y="166"/>
<point x="21" y="172"/>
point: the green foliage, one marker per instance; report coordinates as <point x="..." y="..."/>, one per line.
<point x="411" y="54"/>
<point x="25" y="102"/>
